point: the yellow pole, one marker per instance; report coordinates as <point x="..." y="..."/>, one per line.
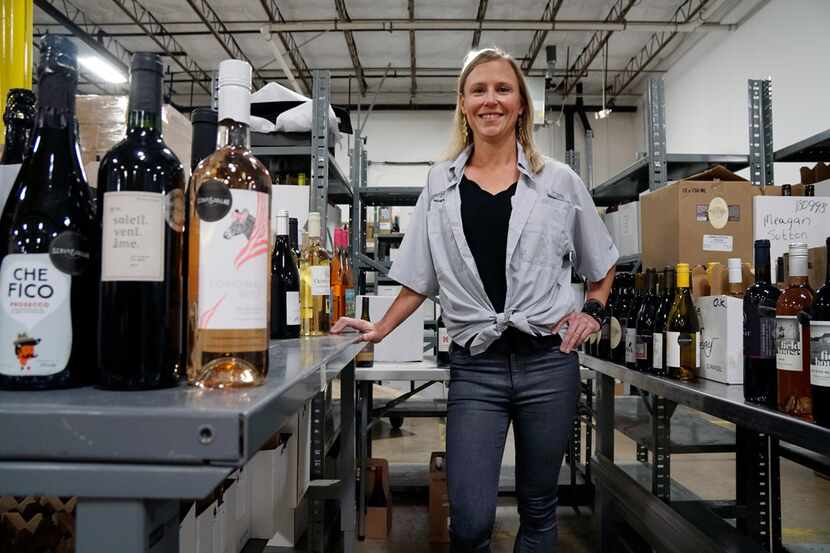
<point x="16" y="49"/>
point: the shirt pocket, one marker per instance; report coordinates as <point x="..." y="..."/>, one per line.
<point x="545" y="239"/>
<point x="445" y="254"/>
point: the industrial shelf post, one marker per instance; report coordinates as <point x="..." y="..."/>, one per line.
<point x="318" y="199"/>
<point x="760" y="132"/>
<point x="656" y="134"/>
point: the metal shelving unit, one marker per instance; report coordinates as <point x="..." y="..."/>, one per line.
<point x="692" y="526"/>
<point x="397" y="196"/>
<point x="815" y="148"/>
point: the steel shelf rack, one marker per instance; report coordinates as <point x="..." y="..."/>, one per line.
<point x="130" y="457"/>
<point x="693" y="526"/>
<point x="814" y="148"/>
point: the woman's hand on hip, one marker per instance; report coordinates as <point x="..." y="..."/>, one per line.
<point x="580" y="326"/>
<point x="368" y="331"/>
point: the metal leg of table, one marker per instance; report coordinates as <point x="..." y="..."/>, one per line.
<point x="758" y="487"/>
<point x="364" y="391"/>
<point x="589" y="428"/>
<point x="127" y="526"/>
<point x="370" y="394"/>
<point x="317" y="519"/>
<point x="662" y="410"/>
<point x="604" y="512"/>
<point x="346" y="465"/>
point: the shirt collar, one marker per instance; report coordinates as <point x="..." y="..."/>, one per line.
<point x="457" y="166"/>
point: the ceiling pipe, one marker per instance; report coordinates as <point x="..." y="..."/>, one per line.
<point x="279" y="55"/>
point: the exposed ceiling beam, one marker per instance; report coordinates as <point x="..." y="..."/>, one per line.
<point x="688" y="12"/>
<point x="480" y="15"/>
<point x="343" y="14"/>
<point x="595" y="44"/>
<point x="272" y="10"/>
<point x="218" y="29"/>
<point x="549" y="15"/>
<point x="413" y="69"/>
<point x="164" y="40"/>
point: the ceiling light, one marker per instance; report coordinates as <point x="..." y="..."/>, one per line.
<point x="103" y="70"/>
<point x="602" y="114"/>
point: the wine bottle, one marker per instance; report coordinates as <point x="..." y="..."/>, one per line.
<point x="603" y="345"/>
<point x="786" y="190"/>
<point x="203" y="139"/>
<point x="645" y="323"/>
<point x="48" y="272"/>
<point x="19" y="119"/>
<point x="377" y="498"/>
<point x="809" y="189"/>
<point x="760" y="378"/>
<point x="294" y="238"/>
<point x="621" y="308"/>
<point x="736" y="278"/>
<point x="630" y="321"/>
<point x="683" y="331"/>
<point x="366" y="357"/>
<point x="315" y="282"/>
<point x="229" y="243"/>
<point x="443" y="355"/>
<point x="780" y="279"/>
<point x="820" y="350"/>
<point x="338" y="290"/>
<point x="348" y="275"/>
<point x="285" y="285"/>
<point x="141" y="191"/>
<point x="792" y="339"/>
<point x="658" y="337"/>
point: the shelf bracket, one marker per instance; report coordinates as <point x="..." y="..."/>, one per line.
<point x="656" y="134"/>
<point x="318" y="199"/>
<point x="761" y="154"/>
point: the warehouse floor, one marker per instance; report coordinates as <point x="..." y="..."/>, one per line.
<point x="805" y="495"/>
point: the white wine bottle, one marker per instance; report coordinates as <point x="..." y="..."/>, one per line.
<point x="315" y="282"/>
<point x="229" y="246"/>
<point x="683" y="331"/>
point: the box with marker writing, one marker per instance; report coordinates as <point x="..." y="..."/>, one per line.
<point x="722" y="339"/>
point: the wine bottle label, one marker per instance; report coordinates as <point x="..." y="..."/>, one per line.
<point x="641" y="349"/>
<point x="630" y="345"/>
<point x="292" y="308"/>
<point x="677" y="343"/>
<point x="788" y="343"/>
<point x="70" y="253"/>
<point x="36" y="321"/>
<point x="820" y="353"/>
<point x="759" y="332"/>
<point x="174" y="209"/>
<point x="443" y="340"/>
<point x="233" y="265"/>
<point x="350" y="302"/>
<point x="616" y="332"/>
<point x="132" y="240"/>
<point x="214" y="200"/>
<point x="657" y="350"/>
<point x="320" y="280"/>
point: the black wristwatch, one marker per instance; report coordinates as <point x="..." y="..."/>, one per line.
<point x="595" y="309"/>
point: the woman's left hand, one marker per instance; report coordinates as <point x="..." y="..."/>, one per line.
<point x="580" y="326"/>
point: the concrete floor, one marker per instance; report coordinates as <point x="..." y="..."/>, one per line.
<point x="805" y="496"/>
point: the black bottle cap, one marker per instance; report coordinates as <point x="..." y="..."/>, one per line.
<point x="762" y="244"/>
<point x="57" y="80"/>
<point x="146" y="71"/>
<point x="20" y="105"/>
<point x="204" y="115"/>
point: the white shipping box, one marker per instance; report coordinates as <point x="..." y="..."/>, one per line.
<point x="628" y="229"/>
<point x="786" y="219"/>
<point x="220" y="527"/>
<point x="405" y="343"/>
<point x="294" y="199"/>
<point x="205" y="523"/>
<point x="427" y="309"/>
<point x="722" y="339"/>
<point x="187" y="531"/>
<point x="242" y="509"/>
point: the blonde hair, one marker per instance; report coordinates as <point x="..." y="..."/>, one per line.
<point x="461" y="135"/>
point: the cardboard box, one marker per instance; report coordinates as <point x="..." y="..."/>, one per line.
<point x="378" y="518"/>
<point x="817" y="266"/>
<point x="427" y="309"/>
<point x="439" y="502"/>
<point x="707" y="217"/>
<point x="722" y="339"/>
<point x="628" y="229"/>
<point x="405" y="343"/>
<point x="790" y="219"/>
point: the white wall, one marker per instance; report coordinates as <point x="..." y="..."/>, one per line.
<point x="706" y="90"/>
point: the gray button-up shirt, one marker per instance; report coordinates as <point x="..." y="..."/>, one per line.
<point x="553" y="217"/>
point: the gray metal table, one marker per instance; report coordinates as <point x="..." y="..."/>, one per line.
<point x="429" y="373"/>
<point x="694" y="528"/>
<point x="131" y="456"/>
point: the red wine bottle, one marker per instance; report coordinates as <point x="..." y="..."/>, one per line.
<point x="141" y="192"/>
<point x="285" y="285"/>
<point x="760" y="375"/>
<point x="820" y="351"/>
<point x="644" y="346"/>
<point x="19" y="119"/>
<point x="48" y="272"/>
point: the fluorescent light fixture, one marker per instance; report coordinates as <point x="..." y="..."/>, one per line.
<point x="602" y="114"/>
<point x="103" y="70"/>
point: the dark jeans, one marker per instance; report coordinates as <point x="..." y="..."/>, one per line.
<point x="537" y="392"/>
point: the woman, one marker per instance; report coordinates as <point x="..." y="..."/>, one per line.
<point x="494" y="231"/>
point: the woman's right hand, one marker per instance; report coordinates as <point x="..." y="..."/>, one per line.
<point x="368" y="331"/>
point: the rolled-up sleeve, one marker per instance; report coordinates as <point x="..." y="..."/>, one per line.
<point x="594" y="249"/>
<point x="414" y="267"/>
